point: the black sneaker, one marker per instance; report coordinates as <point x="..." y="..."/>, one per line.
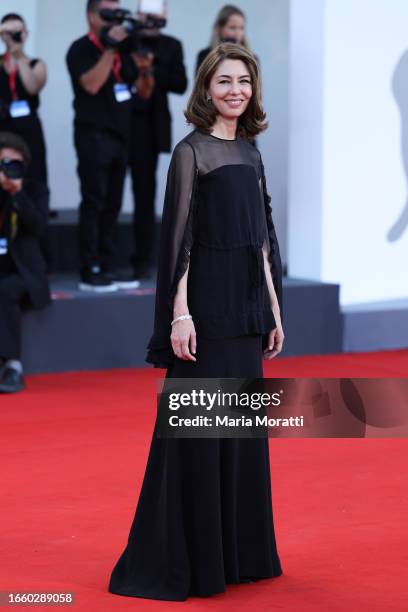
<point x="123" y="280"/>
<point x="95" y="280"/>
<point x="11" y="381"/>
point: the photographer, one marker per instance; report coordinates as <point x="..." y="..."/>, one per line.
<point x="102" y="75"/>
<point x="23" y="278"/>
<point x="160" y="62"/>
<point x="21" y="80"/>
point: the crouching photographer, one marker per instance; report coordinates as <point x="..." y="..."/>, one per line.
<point x="23" y="278"/>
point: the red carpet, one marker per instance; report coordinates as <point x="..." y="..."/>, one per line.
<point x="73" y="452"/>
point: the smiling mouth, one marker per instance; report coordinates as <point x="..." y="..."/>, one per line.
<point x="234" y="101"/>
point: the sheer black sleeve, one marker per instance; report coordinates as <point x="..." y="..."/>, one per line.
<point x="176" y="240"/>
<point x="272" y="244"/>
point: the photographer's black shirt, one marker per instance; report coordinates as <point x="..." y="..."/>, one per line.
<point x="7" y="95"/>
<point x="7" y="265"/>
<point x="102" y="109"/>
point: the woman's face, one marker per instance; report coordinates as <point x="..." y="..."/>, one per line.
<point x="234" y="28"/>
<point x="14" y="26"/>
<point x="230" y="88"/>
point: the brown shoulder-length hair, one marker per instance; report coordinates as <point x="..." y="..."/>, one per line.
<point x="202" y="113"/>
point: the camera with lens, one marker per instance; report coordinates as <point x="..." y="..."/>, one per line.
<point x="15" y="36"/>
<point x="12" y="168"/>
<point x="133" y="26"/>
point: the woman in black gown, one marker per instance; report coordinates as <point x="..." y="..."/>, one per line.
<point x="204" y="516"/>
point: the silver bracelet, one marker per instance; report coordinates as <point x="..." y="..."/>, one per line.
<point x="182" y="318"/>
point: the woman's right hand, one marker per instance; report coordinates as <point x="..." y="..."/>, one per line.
<point x="183" y="339"/>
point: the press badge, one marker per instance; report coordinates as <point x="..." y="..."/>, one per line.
<point x="3" y="246"/>
<point x="122" y="92"/>
<point x="19" y="108"/>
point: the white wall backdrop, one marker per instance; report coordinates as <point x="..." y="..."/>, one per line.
<point x="55" y="24"/>
<point x="28" y="9"/>
<point x="348" y="216"/>
<point x="364" y="186"/>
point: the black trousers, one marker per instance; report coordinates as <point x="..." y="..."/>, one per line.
<point x="143" y="164"/>
<point x="12" y="292"/>
<point x="102" y="163"/>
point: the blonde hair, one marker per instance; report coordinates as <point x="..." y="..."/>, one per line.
<point x="221" y="20"/>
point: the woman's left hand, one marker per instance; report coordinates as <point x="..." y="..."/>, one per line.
<point x="275" y="341"/>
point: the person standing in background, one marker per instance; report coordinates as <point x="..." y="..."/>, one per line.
<point x="102" y="75"/>
<point x="229" y="26"/>
<point x="160" y="61"/>
<point x="21" y="80"/>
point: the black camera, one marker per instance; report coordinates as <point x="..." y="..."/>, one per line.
<point x="15" y="36"/>
<point x="132" y="25"/>
<point x="12" y="168"/>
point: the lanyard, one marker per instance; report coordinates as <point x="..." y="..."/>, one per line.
<point x="12" y="77"/>
<point x="117" y="61"/>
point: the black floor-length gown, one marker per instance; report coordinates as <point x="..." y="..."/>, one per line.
<point x="204" y="516"/>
